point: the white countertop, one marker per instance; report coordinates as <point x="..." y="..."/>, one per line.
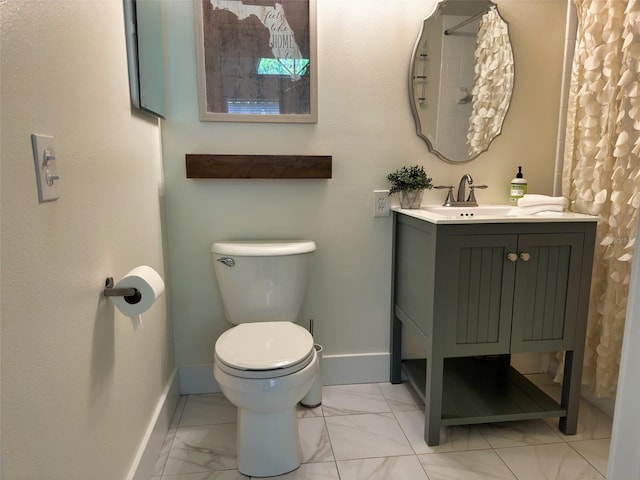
<point x="489" y="214"/>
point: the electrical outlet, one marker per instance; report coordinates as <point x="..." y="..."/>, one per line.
<point x="381" y="203"/>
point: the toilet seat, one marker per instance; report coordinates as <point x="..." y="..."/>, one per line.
<point x="264" y="350"/>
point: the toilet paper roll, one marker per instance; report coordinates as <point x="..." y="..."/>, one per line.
<point x="149" y="286"/>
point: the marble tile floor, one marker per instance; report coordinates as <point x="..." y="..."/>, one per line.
<point x="374" y="432"/>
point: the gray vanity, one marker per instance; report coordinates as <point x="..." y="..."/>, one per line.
<point x="474" y="286"/>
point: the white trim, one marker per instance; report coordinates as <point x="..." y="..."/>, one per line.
<point x="605" y="405"/>
<point x="336" y="370"/>
<point x="356" y="368"/>
<point x="196" y="379"/>
<point x="144" y="463"/>
<point x="569" y="50"/>
<point x="624" y="462"/>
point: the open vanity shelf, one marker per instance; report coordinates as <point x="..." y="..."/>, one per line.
<point x="473" y="293"/>
<point x="482" y="390"/>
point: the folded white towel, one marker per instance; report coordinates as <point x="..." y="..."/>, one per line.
<point x="531" y="199"/>
<point x="533" y="209"/>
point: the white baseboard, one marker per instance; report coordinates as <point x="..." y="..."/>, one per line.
<point x="605" y="405"/>
<point x="336" y="370"/>
<point x="145" y="461"/>
<point x="196" y="379"/>
<point x="356" y="368"/>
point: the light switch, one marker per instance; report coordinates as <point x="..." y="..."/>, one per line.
<point x="44" y="156"/>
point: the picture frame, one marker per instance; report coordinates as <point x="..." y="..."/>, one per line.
<point x="256" y="60"/>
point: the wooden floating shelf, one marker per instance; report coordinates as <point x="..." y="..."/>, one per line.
<point x="476" y="391"/>
<point x="258" y="166"/>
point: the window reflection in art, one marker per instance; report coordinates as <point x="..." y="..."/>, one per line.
<point x="257" y="54"/>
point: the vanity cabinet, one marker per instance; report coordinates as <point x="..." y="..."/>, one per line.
<point x="475" y="293"/>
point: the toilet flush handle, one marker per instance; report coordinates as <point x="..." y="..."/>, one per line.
<point x="229" y="262"/>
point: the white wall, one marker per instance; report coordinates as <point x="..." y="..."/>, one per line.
<point x="624" y="463"/>
<point x="79" y="388"/>
<point x="365" y="123"/>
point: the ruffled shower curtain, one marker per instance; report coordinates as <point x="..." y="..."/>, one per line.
<point x="602" y="168"/>
<point x="492" y="84"/>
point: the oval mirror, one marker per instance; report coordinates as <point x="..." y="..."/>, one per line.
<point x="461" y="78"/>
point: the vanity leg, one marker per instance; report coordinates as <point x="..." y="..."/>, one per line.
<point x="505" y="363"/>
<point x="433" y="400"/>
<point x="571" y="392"/>
<point x="396" y="350"/>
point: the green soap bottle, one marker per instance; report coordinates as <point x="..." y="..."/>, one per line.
<point x="518" y="188"/>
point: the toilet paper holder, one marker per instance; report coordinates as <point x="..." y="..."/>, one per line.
<point x="132" y="295"/>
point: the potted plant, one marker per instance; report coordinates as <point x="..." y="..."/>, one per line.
<point x="409" y="183"/>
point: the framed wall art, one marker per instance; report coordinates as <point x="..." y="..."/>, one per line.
<point x="256" y="60"/>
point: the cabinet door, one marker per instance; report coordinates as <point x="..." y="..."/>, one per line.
<point x="547" y="287"/>
<point x="478" y="297"/>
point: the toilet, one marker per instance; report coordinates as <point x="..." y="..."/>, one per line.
<point x="265" y="364"/>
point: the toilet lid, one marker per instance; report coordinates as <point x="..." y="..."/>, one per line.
<point x="264" y="346"/>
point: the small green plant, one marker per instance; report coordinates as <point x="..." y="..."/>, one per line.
<point x="408" y="179"/>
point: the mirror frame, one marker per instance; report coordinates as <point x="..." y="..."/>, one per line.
<point x="412" y="102"/>
<point x="145" y="55"/>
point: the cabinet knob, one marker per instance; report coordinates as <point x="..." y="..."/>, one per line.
<point x="525" y="256"/>
<point x="512" y="257"/>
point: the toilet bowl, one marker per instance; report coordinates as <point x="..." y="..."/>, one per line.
<point x="265" y="364"/>
<point x="266" y="397"/>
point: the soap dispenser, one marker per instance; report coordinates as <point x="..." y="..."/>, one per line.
<point x="518" y="188"/>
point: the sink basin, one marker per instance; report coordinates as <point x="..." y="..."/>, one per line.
<point x="490" y="214"/>
<point x="465" y="212"/>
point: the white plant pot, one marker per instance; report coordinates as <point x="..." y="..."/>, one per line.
<point x="410" y="198"/>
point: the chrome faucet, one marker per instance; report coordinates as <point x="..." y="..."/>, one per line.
<point x="462" y="200"/>
<point x="466" y="178"/>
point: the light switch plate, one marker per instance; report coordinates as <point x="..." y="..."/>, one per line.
<point x="46" y="167"/>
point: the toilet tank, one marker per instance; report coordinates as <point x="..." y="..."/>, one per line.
<point x="262" y="281"/>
